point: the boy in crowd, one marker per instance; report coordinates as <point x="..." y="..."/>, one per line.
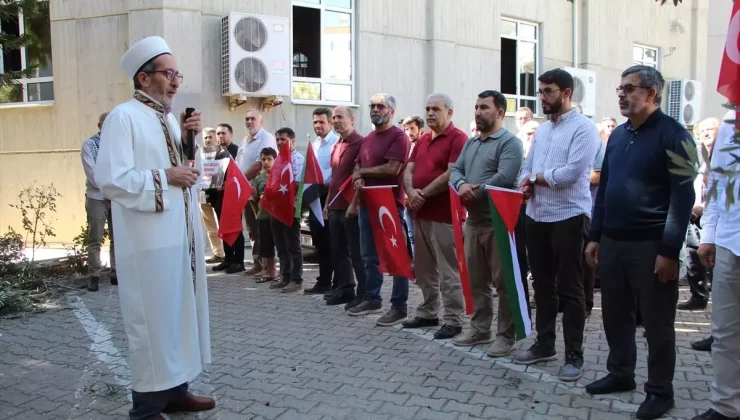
<point x="264" y="220"/>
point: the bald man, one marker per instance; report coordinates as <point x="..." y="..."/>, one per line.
<point x="98" y="213"/>
<point x="248" y="159"/>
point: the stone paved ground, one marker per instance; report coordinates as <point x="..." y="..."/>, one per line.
<point x="292" y="357"/>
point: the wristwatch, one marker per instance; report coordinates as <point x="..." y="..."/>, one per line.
<point x="533" y="179"/>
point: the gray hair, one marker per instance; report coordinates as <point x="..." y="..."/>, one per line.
<point x="649" y="77"/>
<point x="388" y="99"/>
<point x="208" y="130"/>
<point x="442" y="96"/>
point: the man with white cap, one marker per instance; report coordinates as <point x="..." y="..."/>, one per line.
<point x="142" y="169"/>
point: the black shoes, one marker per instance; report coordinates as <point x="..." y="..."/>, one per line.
<point x="693" y="304"/>
<point x="222" y="266"/>
<point x="113" y="277"/>
<point x="358" y="300"/>
<point x="92" y="285"/>
<point x="713" y="415"/>
<point x="234" y="268"/>
<point x="419" y="322"/>
<point x="317" y="289"/>
<point x="447" y="332"/>
<point x="610" y="384"/>
<point x="340" y="299"/>
<point x="703" y="345"/>
<point x="654" y="407"/>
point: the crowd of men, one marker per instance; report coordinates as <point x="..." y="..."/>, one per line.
<point x="597" y="199"/>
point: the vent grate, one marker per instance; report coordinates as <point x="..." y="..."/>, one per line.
<point x="225" y="63"/>
<point x="674" y="99"/>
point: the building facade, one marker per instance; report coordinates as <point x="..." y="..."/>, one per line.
<point x="342" y="52"/>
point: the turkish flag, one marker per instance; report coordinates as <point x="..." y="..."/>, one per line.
<point x="388" y="232"/>
<point x="346" y="190"/>
<point x="728" y="84"/>
<point x="236" y="194"/>
<point x="279" y="196"/>
<point x="458" y="217"/>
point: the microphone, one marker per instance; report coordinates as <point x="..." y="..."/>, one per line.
<point x="190" y="146"/>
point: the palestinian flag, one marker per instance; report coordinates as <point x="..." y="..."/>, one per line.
<point x="505" y="206"/>
<point x="308" y="189"/>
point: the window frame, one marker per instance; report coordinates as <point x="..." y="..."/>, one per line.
<point x="322" y="81"/>
<point x="26" y="81"/>
<point x="537" y="61"/>
<point x="644" y="62"/>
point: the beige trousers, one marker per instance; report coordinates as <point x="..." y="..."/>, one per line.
<point x="435" y="266"/>
<point x="211" y="224"/>
<point x="484" y="269"/>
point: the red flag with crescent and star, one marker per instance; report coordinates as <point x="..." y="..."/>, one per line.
<point x="728" y="84"/>
<point x="279" y="197"/>
<point x="388" y="232"/>
<point x="236" y="194"/>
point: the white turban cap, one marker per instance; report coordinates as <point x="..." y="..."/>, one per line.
<point x="141" y="52"/>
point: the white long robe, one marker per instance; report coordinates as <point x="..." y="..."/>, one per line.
<point x="165" y="316"/>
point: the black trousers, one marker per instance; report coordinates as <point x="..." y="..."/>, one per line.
<point x="698" y="276"/>
<point x="288" y="244"/>
<point x="555" y="253"/>
<point x="345" y="251"/>
<point x="148" y="405"/>
<point x="520" y="235"/>
<point x="232" y="253"/>
<point x="321" y="239"/>
<point x="627" y="271"/>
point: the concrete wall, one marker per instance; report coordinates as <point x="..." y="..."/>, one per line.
<point x="408" y="48"/>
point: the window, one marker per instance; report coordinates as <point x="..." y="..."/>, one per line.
<point x="323" y="57"/>
<point x="519" y="63"/>
<point x="40" y="86"/>
<point x="647" y="56"/>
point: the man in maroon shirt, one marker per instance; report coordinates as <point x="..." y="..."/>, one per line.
<point x="380" y="162"/>
<point x="344" y="230"/>
<point x="426" y="178"/>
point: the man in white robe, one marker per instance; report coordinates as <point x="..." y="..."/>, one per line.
<point x="142" y="169"/>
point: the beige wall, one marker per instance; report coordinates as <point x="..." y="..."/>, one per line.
<point x="408" y="48"/>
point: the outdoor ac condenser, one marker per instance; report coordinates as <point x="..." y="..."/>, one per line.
<point x="684" y="101"/>
<point x="584" y="89"/>
<point x="255" y="55"/>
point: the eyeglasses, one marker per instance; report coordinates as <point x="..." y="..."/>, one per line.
<point x="629" y="88"/>
<point x="546" y="92"/>
<point x="169" y="74"/>
<point x="379" y="106"/>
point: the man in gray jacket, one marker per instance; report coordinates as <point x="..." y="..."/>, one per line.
<point x="491" y="158"/>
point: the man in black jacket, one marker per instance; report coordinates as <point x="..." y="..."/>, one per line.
<point x="233" y="254"/>
<point x="639" y="224"/>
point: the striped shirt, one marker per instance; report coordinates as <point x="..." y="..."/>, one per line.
<point x="564" y="152"/>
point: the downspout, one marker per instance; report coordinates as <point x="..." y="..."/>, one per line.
<point x="576" y="4"/>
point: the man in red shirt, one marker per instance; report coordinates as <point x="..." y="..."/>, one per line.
<point x="380" y="162"/>
<point x="426" y="178"/>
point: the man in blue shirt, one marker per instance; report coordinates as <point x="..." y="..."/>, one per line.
<point x="639" y="224"/>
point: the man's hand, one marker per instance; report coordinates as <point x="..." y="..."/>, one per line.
<point x="592" y="254"/>
<point x="415" y="199"/>
<point x="467" y="193"/>
<point x="326" y="213"/>
<point x="707" y="252"/>
<point x="696" y="212"/>
<point x="192" y="123"/>
<point x="666" y="269"/>
<point x="351" y="211"/>
<point x="359" y="183"/>
<point x="526" y="188"/>
<point x="356" y="176"/>
<point x="182" y="176"/>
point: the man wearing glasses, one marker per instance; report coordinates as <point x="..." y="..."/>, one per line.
<point x="555" y="176"/>
<point x="639" y="224"/>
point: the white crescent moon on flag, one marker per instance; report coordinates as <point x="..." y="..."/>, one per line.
<point x="285" y="168"/>
<point x="238" y="189"/>
<point x="383" y="212"/>
<point x="733" y="36"/>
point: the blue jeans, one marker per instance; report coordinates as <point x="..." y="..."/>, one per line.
<point x="409" y="217"/>
<point x="374" y="278"/>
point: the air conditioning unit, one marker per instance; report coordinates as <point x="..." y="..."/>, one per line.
<point x="584" y="89"/>
<point x="255" y="55"/>
<point x="684" y="100"/>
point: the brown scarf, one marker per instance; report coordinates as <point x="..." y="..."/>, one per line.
<point x="176" y="159"/>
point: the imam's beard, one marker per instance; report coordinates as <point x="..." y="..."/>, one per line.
<point x="380" y="120"/>
<point x="160" y="95"/>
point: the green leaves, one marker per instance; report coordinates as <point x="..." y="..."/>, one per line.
<point x="690" y="167"/>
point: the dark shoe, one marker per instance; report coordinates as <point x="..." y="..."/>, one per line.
<point x="366" y="307"/>
<point x="292" y="287"/>
<point x="573" y="368"/>
<point x="703" y="345"/>
<point x="190" y="404"/>
<point x="92" y="285"/>
<point x="221" y="267"/>
<point x="447" y="332"/>
<point x="358" y="300"/>
<point x="329" y="294"/>
<point x="713" y="415"/>
<point x="279" y="285"/>
<point x="317" y="289"/>
<point x="419" y="322"/>
<point x="340" y="298"/>
<point x="113" y="277"/>
<point x="392" y="317"/>
<point x="693" y="304"/>
<point x="654" y="407"/>
<point x="214" y="260"/>
<point x="235" y="268"/>
<point x="535" y="354"/>
<point x="610" y="384"/>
